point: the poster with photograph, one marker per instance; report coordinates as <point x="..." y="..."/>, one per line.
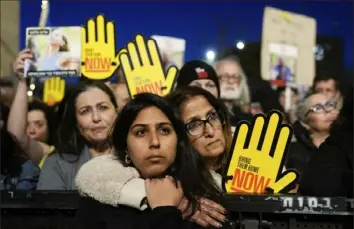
<point x="56" y="50"/>
<point x="282" y="64"/>
<point x="288" y="40"/>
<point x="171" y="49"/>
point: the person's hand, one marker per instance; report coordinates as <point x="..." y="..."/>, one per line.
<point x="208" y="213"/>
<point x="19" y="64"/>
<point x="163" y="192"/>
<point x="295" y="189"/>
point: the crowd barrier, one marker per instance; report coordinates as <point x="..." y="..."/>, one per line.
<point x="56" y="210"/>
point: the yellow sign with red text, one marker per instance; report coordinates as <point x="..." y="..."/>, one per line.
<point x="99" y="59"/>
<point x="143" y="69"/>
<point x="257" y="157"/>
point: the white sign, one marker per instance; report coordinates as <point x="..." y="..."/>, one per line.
<point x="287" y="53"/>
<point x="171" y="49"/>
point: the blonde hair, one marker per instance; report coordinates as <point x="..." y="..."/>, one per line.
<point x="303" y="106"/>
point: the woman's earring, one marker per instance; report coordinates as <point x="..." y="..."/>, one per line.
<point x="127" y="159"/>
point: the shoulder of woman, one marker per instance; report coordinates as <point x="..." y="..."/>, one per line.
<point x="50" y="151"/>
<point x="217" y="178"/>
<point x="103" y="177"/>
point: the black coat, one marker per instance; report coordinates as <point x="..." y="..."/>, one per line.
<point x="92" y="214"/>
<point x="330" y="170"/>
<point x="301" y="151"/>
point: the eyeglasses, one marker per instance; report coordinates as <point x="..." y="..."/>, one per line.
<point x="197" y="127"/>
<point x="319" y="108"/>
<point x="227" y="77"/>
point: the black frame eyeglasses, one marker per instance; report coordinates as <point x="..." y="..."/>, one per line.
<point x="197" y="127"/>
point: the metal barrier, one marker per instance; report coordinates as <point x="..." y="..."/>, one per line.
<point x="54" y="210"/>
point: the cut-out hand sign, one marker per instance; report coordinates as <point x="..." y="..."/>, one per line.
<point x="258" y="166"/>
<point x="143" y="69"/>
<point x="54" y="89"/>
<point x="99" y="58"/>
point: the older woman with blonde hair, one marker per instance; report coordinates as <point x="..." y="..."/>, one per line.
<point x="315" y="115"/>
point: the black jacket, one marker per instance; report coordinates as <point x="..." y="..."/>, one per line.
<point x="239" y="116"/>
<point x="330" y="170"/>
<point x="113" y="197"/>
<point x="95" y="215"/>
<point x="301" y="151"/>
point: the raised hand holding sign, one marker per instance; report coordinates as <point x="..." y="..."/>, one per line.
<point x="253" y="168"/>
<point x="143" y="69"/>
<point x="54" y="90"/>
<point x="99" y="58"/>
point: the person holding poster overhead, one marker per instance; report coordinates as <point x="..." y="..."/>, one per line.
<point x="31" y="123"/>
<point x="151" y="142"/>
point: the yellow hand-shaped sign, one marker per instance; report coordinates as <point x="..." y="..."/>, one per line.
<point x="258" y="165"/>
<point x="99" y="59"/>
<point x="54" y="89"/>
<point x="143" y="69"/>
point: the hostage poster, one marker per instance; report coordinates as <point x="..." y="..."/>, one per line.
<point x="171" y="49"/>
<point x="288" y="41"/>
<point x="56" y="52"/>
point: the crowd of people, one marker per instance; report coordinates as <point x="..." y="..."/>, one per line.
<point x="162" y="159"/>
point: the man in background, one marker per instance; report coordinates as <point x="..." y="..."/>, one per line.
<point x="328" y="85"/>
<point x="241" y="93"/>
<point x="233" y="84"/>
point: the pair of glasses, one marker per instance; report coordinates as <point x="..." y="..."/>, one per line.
<point x="319" y="108"/>
<point x="197" y="127"/>
<point x="228" y="77"/>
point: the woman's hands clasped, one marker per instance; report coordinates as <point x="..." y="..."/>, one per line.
<point x="163" y="192"/>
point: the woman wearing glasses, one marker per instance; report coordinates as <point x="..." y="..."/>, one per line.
<point x="208" y="126"/>
<point x="316" y="113"/>
<point x="330" y="170"/>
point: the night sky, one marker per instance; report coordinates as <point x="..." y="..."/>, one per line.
<point x="197" y="22"/>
